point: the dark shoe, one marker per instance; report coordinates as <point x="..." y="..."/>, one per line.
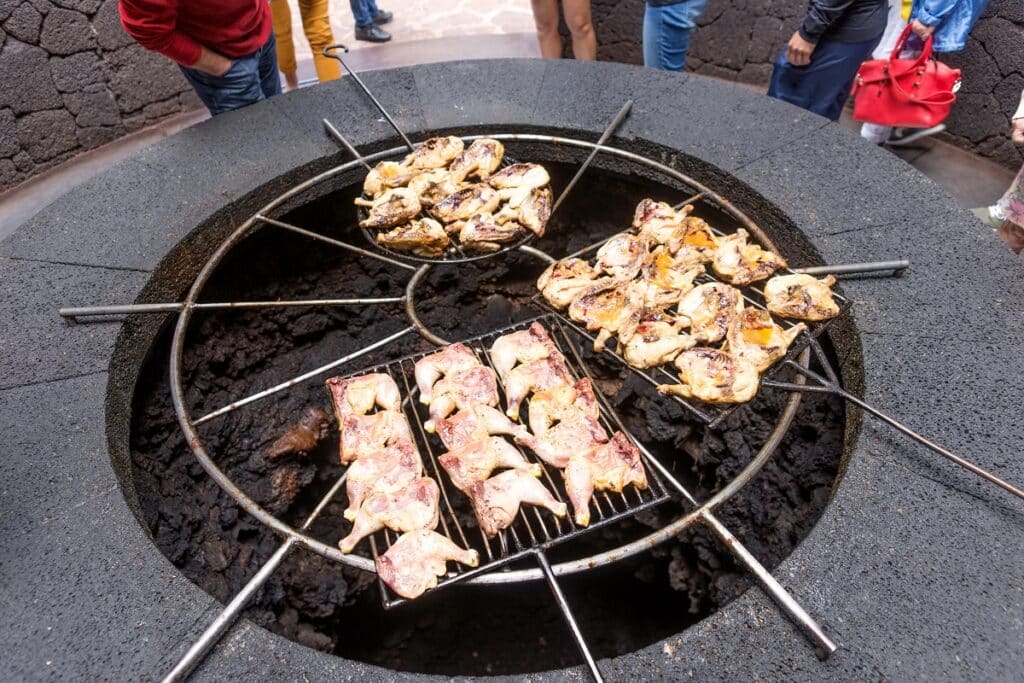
<point x="383" y="17"/>
<point x="372" y="34"/>
<point x="904" y="136"/>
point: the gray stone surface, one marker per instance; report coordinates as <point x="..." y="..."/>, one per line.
<point x="8" y="134"/>
<point x="24" y="23"/>
<point x="24" y="73"/>
<point x="71" y="74"/>
<point x="94" y="106"/>
<point x="914" y="568"/>
<point x="66" y="32"/>
<point x="46" y="134"/>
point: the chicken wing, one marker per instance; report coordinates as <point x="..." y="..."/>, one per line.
<point x="605" y="309"/>
<point x="448" y="361"/>
<point x="801" y="297"/>
<point x="563" y="281"/>
<point x="754" y="337"/>
<point x="475" y="424"/>
<point x="658" y="221"/>
<point x="385" y="470"/>
<point x="524" y="346"/>
<point x="411" y="566"/>
<point x="386" y="175"/>
<point x="517" y="182"/>
<point x="462" y="390"/>
<point x="740" y="263"/>
<point x="361" y="434"/>
<point x="610" y="467"/>
<point x="535" y="210"/>
<point x="534" y="376"/>
<point x="475" y="462"/>
<point x="479" y="160"/>
<point x="622" y="256"/>
<point x="393" y="207"/>
<point x="483" y="232"/>
<point x="435" y="152"/>
<point x="424" y="237"/>
<point x="358" y="395"/>
<point x="653" y="338"/>
<point x="667" y="278"/>
<point x="713" y="376"/>
<point x="496" y="501"/>
<point x="565" y="401"/>
<point x="710" y="308"/>
<point x="463" y="204"/>
<point x="413" y="507"/>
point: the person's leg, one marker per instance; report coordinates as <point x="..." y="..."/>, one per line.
<point x="667" y="31"/>
<point x="584" y="39"/>
<point x="894" y="25"/>
<point x="238" y="87"/>
<point x="545" y="17"/>
<point x="653" y="35"/>
<point x="823" y="85"/>
<point x="361" y="13"/>
<point x="282" y="17"/>
<point x="316" y="24"/>
<point x="270" y="84"/>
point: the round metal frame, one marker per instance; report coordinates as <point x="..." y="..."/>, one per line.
<point x="702" y="512"/>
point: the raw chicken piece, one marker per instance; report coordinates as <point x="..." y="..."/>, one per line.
<point x="667" y="278"/>
<point x="801" y="297"/>
<point x="358" y="395"/>
<point x="710" y="308"/>
<point x="475" y="424"/>
<point x="483" y="232"/>
<point x="414" y="507"/>
<point x="517" y="182"/>
<point x="433" y="186"/>
<point x="607" y="308"/>
<point x="435" y="152"/>
<point x="480" y="159"/>
<point x="474" y="463"/>
<point x="653" y="338"/>
<point x="393" y="207"/>
<point x="577" y="432"/>
<point x="713" y="376"/>
<point x="524" y="346"/>
<point x="609" y="467"/>
<point x="697" y="242"/>
<point x="386" y="470"/>
<point x="754" y="337"/>
<point x="411" y="566"/>
<point x="386" y="175"/>
<point x="622" y="256"/>
<point x="463" y="204"/>
<point x="658" y="221"/>
<point x="562" y="402"/>
<point x="361" y="434"/>
<point x="496" y="501"/>
<point x="534" y="376"/>
<point x="740" y="263"/>
<point x="563" y="281"/>
<point x="448" y="361"/>
<point x="301" y="438"/>
<point x="424" y="238"/>
<point x="471" y="387"/>
<point x="535" y="210"/>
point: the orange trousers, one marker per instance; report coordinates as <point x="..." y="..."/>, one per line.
<point x="317" y="27"/>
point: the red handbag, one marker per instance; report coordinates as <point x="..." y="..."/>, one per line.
<point x="910" y="93"/>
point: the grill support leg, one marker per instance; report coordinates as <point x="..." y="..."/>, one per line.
<point x="563" y="605"/>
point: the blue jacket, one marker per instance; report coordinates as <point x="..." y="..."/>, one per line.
<point x="953" y="19"/>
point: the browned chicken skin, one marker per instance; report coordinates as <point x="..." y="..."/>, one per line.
<point x="713" y="376"/>
<point x="710" y="308"/>
<point x="667" y="278"/>
<point x="801" y="296"/>
<point x="622" y="256"/>
<point x="496" y="501"/>
<point x="563" y="281"/>
<point x="740" y="263"/>
<point x="435" y="152"/>
<point x="605" y="309"/>
<point x="485" y="233"/>
<point x="754" y="337"/>
<point x="393" y="207"/>
<point x="653" y="338"/>
<point x="479" y="160"/>
<point x="463" y="204"/>
<point x="412" y="565"/>
<point x="424" y="237"/>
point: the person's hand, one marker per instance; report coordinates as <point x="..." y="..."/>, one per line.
<point x="921" y="30"/>
<point x="212" y="62"/>
<point x="798" y="51"/>
<point x="1017" y="131"/>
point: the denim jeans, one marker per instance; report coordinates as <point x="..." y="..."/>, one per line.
<point x="250" y="79"/>
<point x="364" y="11"/>
<point x="667" y="32"/>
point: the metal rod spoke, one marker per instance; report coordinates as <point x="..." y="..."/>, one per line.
<point x="608" y="131"/>
<point x="336" y="134"/>
<point x="691" y="200"/>
<point x="337" y="243"/>
<point x="303" y="377"/>
<point x="570" y="620"/>
<point x="119" y="309"/>
<point x="849" y="268"/>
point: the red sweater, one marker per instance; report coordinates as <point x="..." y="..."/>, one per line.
<point x="179" y="28"/>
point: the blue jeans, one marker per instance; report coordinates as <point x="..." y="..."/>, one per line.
<point x="823" y="85"/>
<point x="250" y="79"/>
<point x="667" y="32"/>
<point x="363" y="11"/>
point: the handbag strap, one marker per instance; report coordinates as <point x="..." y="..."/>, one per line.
<point x="901" y="43"/>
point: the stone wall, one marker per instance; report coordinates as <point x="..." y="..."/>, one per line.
<point x="739" y="39"/>
<point x="71" y="79"/>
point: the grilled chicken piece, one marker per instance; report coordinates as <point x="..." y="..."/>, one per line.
<point x="362" y="434"/>
<point x="607" y="308"/>
<point x="476" y="424"/>
<point x="610" y="467"/>
<point x="475" y="462"/>
<point x="563" y="281"/>
<point x="575" y="433"/>
<point x="463" y="204"/>
<point x="433" y="186"/>
<point x="517" y="182"/>
<point x="535" y="211"/>
<point x="537" y="375"/>
<point x="358" y="395"/>
<point x="666" y="277"/>
<point x="385" y="470"/>
<point x="653" y="338"/>
<point x="801" y="297"/>
<point x="424" y="237"/>
<point x="479" y="160"/>
<point x="713" y="376"/>
<point x="435" y="152"/>
<point x="496" y="501"/>
<point x="386" y="175"/>
<point x="411" y="566"/>
<point x="483" y="232"/>
<point x="524" y="346"/>
<point x="562" y="402"/>
<point x="448" y="361"/>
<point x="413" y="507"/>
<point x="392" y="207"/>
<point x="696" y="243"/>
<point x="710" y="308"/>
<point x="472" y="387"/>
<point x="658" y="221"/>
<point x="754" y="337"/>
<point x="301" y="438"/>
<point x="740" y="263"/>
<point x="622" y="256"/>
